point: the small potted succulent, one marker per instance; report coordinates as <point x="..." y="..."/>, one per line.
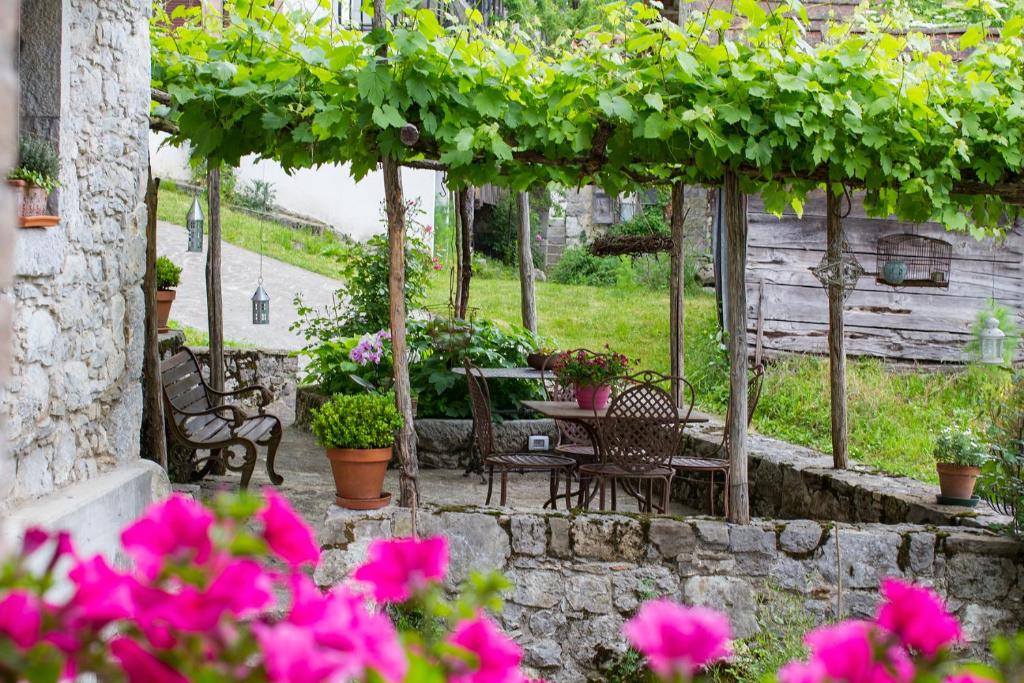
<point x="358" y="433"/>
<point x="168" y="276"/>
<point x="35" y="177"/>
<point x="959" y="455"/>
<point x="591" y="374"/>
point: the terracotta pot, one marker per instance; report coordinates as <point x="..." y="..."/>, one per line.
<point x="591" y="398"/>
<point x="164" y="299"/>
<point x="957" y="481"/>
<point x="359" y="476"/>
<point x="34" y="202"/>
<point x="18" y="187"/>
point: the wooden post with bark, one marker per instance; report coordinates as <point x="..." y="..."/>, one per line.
<point x="395" y="204"/>
<point x="528" y="301"/>
<point x="677" y="283"/>
<point x="836" y="348"/>
<point x="736" y="327"/>
<point x="214" y="298"/>
<point x="457" y="294"/>
<point x="467" y="209"/>
<point x="154" y="442"/>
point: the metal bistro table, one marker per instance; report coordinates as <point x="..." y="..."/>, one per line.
<point x="570" y="411"/>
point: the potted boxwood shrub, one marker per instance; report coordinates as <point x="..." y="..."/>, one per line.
<point x="358" y="433"/>
<point x="168" y="276"/>
<point x="36" y="175"/>
<point x="959" y="455"/>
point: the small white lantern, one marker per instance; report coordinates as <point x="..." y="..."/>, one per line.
<point x="194" y="223"/>
<point x="260" y="306"/>
<point x="992" y="340"/>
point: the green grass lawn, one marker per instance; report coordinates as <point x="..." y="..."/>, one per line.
<point x="318" y="253"/>
<point x="195" y="337"/>
<point x="894" y="414"/>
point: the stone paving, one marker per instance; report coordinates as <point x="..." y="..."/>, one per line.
<point x="239" y="272"/>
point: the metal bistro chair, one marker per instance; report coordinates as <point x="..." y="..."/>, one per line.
<point x="718" y="463"/>
<point x="483" y="430"/>
<point x="574" y="440"/>
<point x="637" y="436"/>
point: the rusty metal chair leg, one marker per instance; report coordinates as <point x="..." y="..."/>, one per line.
<point x="504" y="486"/>
<point x="275" y="441"/>
<point x="249" y="466"/>
<point x="490" y="483"/>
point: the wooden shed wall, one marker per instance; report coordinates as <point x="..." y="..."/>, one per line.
<point x="906" y="324"/>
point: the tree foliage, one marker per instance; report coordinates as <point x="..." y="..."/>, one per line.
<point x="647" y="100"/>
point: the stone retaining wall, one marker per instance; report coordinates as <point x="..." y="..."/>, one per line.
<point x="577" y="577"/>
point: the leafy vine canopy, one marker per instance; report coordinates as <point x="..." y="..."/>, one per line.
<point x="648" y="101"/>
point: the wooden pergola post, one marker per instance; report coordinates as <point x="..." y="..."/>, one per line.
<point x="736" y="327"/>
<point x="836" y="349"/>
<point x="214" y="298"/>
<point x="528" y="302"/>
<point x="466" y="208"/>
<point x="154" y="443"/>
<point x="395" y="204"/>
<point x="677" y="283"/>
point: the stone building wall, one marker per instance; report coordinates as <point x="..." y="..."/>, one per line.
<point x="8" y="152"/>
<point x="577" y="578"/>
<point x="73" y="402"/>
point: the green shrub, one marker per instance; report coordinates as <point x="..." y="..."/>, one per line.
<point x="579" y="267"/>
<point x="258" y="195"/>
<point x="168" y="275"/>
<point x="496" y="230"/>
<point x="959" y="446"/>
<point x="357" y="421"/>
<point x="38" y="163"/>
<point x="650" y="221"/>
<point x="1002" y="476"/>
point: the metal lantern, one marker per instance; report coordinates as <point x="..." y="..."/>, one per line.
<point x="992" y="340"/>
<point x="260" y="305"/>
<point x="194" y="222"/>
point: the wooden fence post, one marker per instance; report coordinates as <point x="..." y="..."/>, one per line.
<point x="154" y="444"/>
<point x="528" y="301"/>
<point x="677" y="283"/>
<point x="214" y="298"/>
<point x="836" y="349"/>
<point x="736" y="326"/>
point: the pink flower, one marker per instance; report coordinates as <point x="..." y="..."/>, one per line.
<point x="918" y="617"/>
<point x="140" y="665"/>
<point x="967" y="677"/>
<point x="20" y="618"/>
<point x="802" y="672"/>
<point x="292" y="655"/>
<point x="494" y="656"/>
<point x="846" y="652"/>
<point x="242" y="588"/>
<point x="177" y="529"/>
<point x="398" y="568"/>
<point x="34" y="539"/>
<point x="286" y="533"/>
<point x="102" y="595"/>
<point x="429" y="229"/>
<point x="678" y="640"/>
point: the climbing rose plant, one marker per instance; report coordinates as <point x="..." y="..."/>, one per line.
<point x="223" y="594"/>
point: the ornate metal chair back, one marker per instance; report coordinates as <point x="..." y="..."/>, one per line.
<point x="643" y="427"/>
<point x="755" y="383"/>
<point x="480" y="407"/>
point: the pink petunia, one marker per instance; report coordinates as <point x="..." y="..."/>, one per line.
<point x="292" y="655"/>
<point x="802" y="672"/>
<point x="102" y="594"/>
<point x="20" y="618"/>
<point x="847" y="652"/>
<point x="140" y="665"/>
<point x="242" y="588"/>
<point x="176" y="529"/>
<point x="967" y="677"/>
<point x="285" y="532"/>
<point x="918" y="617"/>
<point x="494" y="657"/>
<point x="679" y="640"/>
<point x="396" y="569"/>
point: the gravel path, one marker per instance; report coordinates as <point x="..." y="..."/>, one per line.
<point x="239" y="272"/>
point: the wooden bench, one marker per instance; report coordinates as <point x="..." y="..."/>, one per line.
<point x="195" y="422"/>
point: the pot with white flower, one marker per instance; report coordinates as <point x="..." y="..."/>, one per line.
<point x="959" y="455"/>
<point x="358" y="433"/>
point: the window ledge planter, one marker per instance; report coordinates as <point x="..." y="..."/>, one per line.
<point x="31" y="202"/>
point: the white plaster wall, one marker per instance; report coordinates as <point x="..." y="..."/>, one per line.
<point x="327" y="193"/>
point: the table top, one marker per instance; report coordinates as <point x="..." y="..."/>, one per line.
<point x="505" y="373"/>
<point x="569" y="410"/>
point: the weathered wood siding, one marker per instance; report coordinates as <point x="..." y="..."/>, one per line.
<point x="906" y="324"/>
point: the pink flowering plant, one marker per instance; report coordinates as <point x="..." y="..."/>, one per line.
<point x="223" y="593"/>
<point x="587" y="369"/>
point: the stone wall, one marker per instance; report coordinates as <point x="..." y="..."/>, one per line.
<point x="8" y="152"/>
<point x="576" y="578"/>
<point x="73" y="402"/>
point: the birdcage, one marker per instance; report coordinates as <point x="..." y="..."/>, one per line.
<point x="907" y="260"/>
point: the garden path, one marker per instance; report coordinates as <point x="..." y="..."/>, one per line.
<point x="239" y="272"/>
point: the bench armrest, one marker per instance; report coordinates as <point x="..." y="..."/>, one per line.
<point x="265" y="396"/>
<point x="237" y="416"/>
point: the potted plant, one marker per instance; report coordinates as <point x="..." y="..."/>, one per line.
<point x="959" y="455"/>
<point x="168" y="276"/>
<point x="591" y="375"/>
<point x="35" y="176"/>
<point x="358" y="433"/>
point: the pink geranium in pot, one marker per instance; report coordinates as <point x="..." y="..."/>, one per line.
<point x="591" y="374"/>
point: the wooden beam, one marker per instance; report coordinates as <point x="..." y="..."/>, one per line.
<point x="154" y="441"/>
<point x="214" y="297"/>
<point x="736" y="328"/>
<point x="836" y="349"/>
<point x="677" y="284"/>
<point x="528" y="301"/>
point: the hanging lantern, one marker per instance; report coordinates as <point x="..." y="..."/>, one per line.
<point x="260" y="305"/>
<point x="992" y="339"/>
<point x="194" y="222"/>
